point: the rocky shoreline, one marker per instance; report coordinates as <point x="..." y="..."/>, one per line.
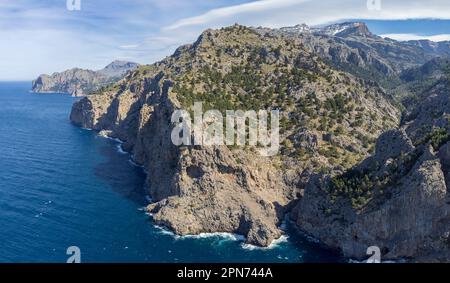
<point x="370" y="177"/>
<point x="186" y="203"/>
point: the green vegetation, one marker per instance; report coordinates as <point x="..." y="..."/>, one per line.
<point x="236" y="68"/>
<point x="437" y="138"/>
<point x="360" y="187"/>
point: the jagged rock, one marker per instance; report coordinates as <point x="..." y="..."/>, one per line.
<point x="408" y="216"/>
<point x="79" y="82"/>
<point x="410" y="224"/>
<point x="307" y="139"/>
<point x="198" y="190"/>
<point x="219" y="189"/>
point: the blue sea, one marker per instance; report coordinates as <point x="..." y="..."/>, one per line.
<point x="63" y="186"/>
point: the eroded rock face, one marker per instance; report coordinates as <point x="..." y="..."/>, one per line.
<point x="220" y="192"/>
<point x="414" y="222"/>
<point x="80" y="82"/>
<point x="196" y="189"/>
<point x="398" y="199"/>
<point x="220" y="189"/>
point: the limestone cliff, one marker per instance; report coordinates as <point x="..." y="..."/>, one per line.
<point x="398" y="199"/>
<point x="197" y="189"/>
<point x="330" y="119"/>
<point x="80" y="82"/>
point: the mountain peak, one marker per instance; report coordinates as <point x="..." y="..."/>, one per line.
<point x="116" y="64"/>
<point x="340" y="29"/>
<point x="300" y="28"/>
<point x="347" y="29"/>
<point x="118" y="68"/>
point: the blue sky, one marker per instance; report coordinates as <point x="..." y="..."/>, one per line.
<point x="43" y="36"/>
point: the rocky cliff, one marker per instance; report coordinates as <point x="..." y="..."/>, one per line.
<point x="354" y="171"/>
<point x="233" y="189"/>
<point x="79" y="82"/>
<point x="398" y="199"/>
<point x="353" y="48"/>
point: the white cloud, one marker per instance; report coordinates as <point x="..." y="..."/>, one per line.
<point x="129" y="46"/>
<point x="28" y="52"/>
<point x="47" y="38"/>
<point x="276" y="13"/>
<point x="231" y="11"/>
<point x="409" y="36"/>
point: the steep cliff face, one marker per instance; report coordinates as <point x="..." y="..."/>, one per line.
<point x="353" y="48"/>
<point x="79" y="82"/>
<point x="196" y="189"/>
<point x="398" y="199"/>
<point x="228" y="189"/>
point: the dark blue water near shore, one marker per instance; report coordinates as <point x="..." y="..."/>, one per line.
<point x="63" y="186"/>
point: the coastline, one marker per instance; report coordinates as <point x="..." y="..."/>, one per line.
<point x="225" y="235"/>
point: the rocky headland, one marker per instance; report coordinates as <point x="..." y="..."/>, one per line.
<point x="358" y="166"/>
<point x="80" y="82"/>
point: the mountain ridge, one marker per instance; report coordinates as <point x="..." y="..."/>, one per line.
<point x="354" y="170"/>
<point x="79" y="82"/>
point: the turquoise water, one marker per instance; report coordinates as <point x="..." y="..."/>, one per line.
<point x="63" y="186"/>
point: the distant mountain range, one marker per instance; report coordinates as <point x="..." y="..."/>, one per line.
<point x="353" y="48"/>
<point x="79" y="82"/>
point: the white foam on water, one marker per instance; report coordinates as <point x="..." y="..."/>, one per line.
<point x="105" y="135"/>
<point x="135" y="164"/>
<point x="309" y="238"/>
<point x="224" y="236"/>
<point x="120" y="149"/>
<point x="275" y="243"/>
<point x="163" y="230"/>
<point x="383" y="261"/>
<point x="116" y="140"/>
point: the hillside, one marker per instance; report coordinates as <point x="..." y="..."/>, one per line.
<point x="355" y="169"/>
<point x="79" y="82"/>
<point x="330" y="119"/>
<point x="398" y="198"/>
<point x="353" y="48"/>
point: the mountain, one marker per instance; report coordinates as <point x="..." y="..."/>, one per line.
<point x="440" y="48"/>
<point x="398" y="199"/>
<point x="416" y="81"/>
<point x="79" y="82"/>
<point x="345" y="30"/>
<point x="118" y="68"/>
<point x="356" y="168"/>
<point x="330" y="119"/>
<point x="353" y="48"/>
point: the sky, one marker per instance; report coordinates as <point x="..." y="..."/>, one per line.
<point x="45" y="36"/>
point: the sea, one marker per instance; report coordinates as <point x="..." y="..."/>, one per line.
<point x="62" y="187"/>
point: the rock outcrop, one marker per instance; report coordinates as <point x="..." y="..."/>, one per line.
<point x="197" y="189"/>
<point x="80" y="82"/>
<point x="227" y="189"/>
<point x="353" y="175"/>
<point x="353" y="48"/>
<point x="398" y="199"/>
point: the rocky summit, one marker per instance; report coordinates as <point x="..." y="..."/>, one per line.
<point x="79" y="82"/>
<point x="364" y="154"/>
